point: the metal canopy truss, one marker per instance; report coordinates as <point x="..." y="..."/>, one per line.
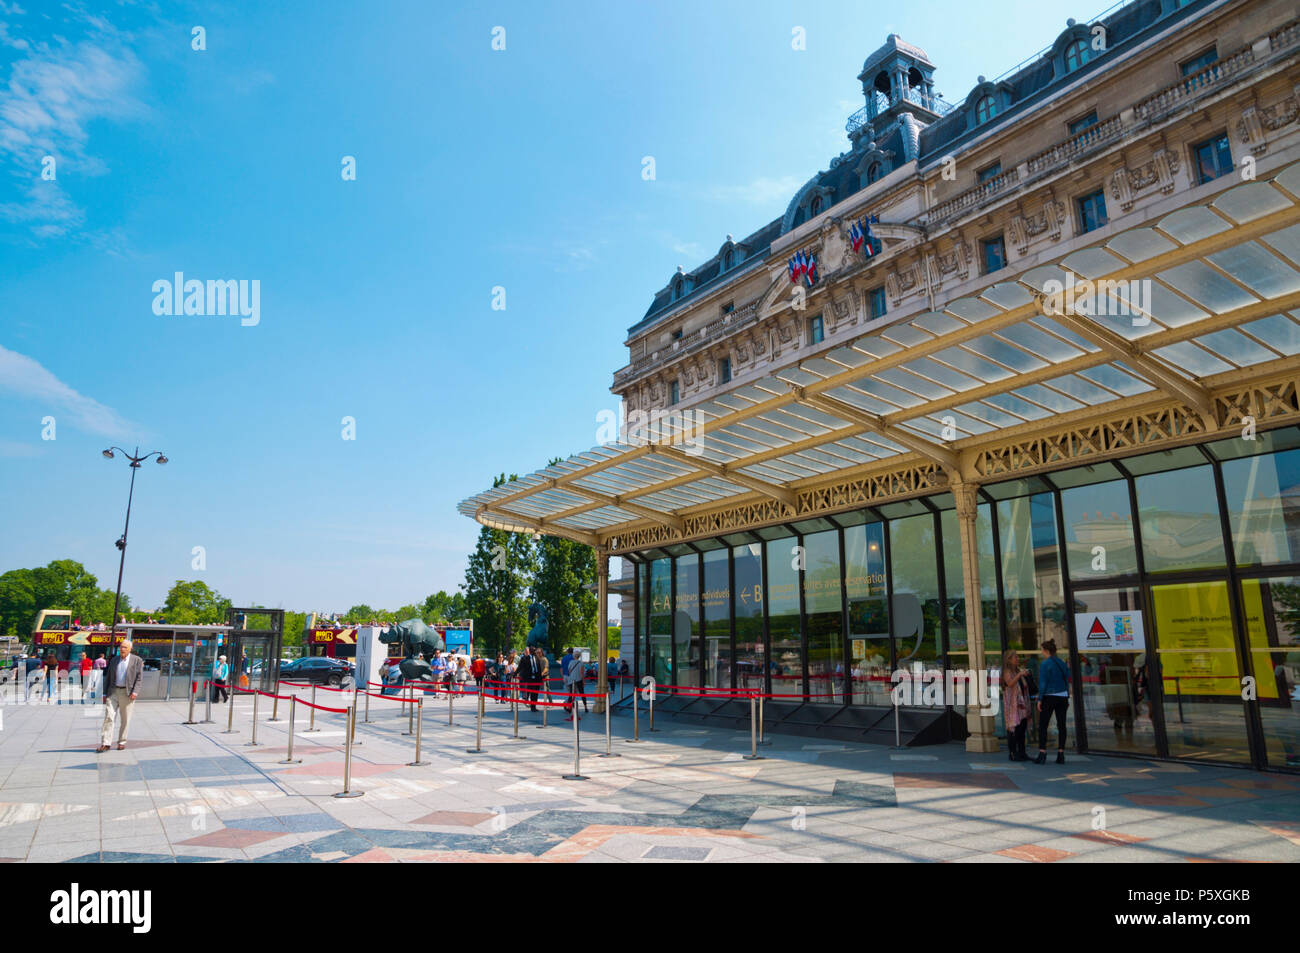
<point x="1206" y="297"/>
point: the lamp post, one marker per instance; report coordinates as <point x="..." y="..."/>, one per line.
<point x="135" y="462"/>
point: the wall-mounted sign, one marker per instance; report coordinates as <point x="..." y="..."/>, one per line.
<point x="1110" y="631"/>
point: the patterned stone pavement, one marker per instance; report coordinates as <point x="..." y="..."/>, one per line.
<point x="684" y="794"/>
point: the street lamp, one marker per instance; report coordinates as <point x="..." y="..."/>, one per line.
<point x="135" y="462"/>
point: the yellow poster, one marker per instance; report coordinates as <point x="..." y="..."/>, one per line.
<point x="1198" y="653"/>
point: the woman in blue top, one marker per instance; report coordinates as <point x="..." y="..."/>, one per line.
<point x="1053" y="698"/>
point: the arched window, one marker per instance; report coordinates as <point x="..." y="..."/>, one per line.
<point x="985" y="109"/>
<point x="726" y="260"/>
<point x="873" y="172"/>
<point x="1076" y="54"/>
<point x="677" y="289"/>
<point x="816" y="207"/>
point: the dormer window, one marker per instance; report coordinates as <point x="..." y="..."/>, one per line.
<point x="816" y="207"/>
<point x="726" y="261"/>
<point x="678" y="287"/>
<point x="1076" y="54"/>
<point x="873" y="172"/>
<point x="985" y="109"/>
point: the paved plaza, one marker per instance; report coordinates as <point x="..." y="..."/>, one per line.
<point x="685" y="793"/>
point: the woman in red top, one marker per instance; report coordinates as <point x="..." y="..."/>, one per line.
<point x="479" y="670"/>
<point x="85" y="677"/>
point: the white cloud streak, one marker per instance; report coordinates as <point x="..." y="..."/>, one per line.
<point x="26" y="378"/>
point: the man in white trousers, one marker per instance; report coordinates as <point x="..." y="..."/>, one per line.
<point x="121" y="688"/>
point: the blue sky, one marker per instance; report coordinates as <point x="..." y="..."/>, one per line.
<point x="475" y="169"/>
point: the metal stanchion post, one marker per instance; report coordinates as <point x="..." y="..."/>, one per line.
<point x="419" y="726"/>
<point x="275" y="704"/>
<point x="230" y="718"/>
<point x="609" y="697"/>
<point x="354" y="717"/>
<point x="652" y="710"/>
<point x="288" y="757"/>
<point x="577" y="762"/>
<point x="762" y="739"/>
<point x="312" y="724"/>
<point x="898" y="737"/>
<point x="478" y="730"/>
<point x="207" y="705"/>
<point x="253" y="742"/>
<point x="190" y="720"/>
<point x="753" y="731"/>
<point x="636" y="716"/>
<point x="347" y="759"/>
<point x="545" y="708"/>
<point x="449" y="698"/>
<point x="410" y="711"/>
<point x="367" y="693"/>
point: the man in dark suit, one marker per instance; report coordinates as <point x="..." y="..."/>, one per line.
<point x="121" y="688"/>
<point x="527" y="674"/>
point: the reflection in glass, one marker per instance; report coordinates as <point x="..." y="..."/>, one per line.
<point x="717" y="621"/>
<point x="749" y="616"/>
<point x="1031" y="583"/>
<point x="916" y="608"/>
<point x="1263" y="494"/>
<point x="1179" y="511"/>
<point x="1116" y="686"/>
<point x="1200" y="672"/>
<point x="952" y="567"/>
<point x="1099" y="540"/>
<point x="783" y="616"/>
<point x="686" y="622"/>
<point x="869" y="646"/>
<point x="1272" y="609"/>
<point x="661" y="616"/>
<point x="823" y="610"/>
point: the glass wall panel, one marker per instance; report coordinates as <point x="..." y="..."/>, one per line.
<point x="661" y="621"/>
<point x="1272" y="609"/>
<point x="1115" y="677"/>
<point x="686" y="622"/>
<point x="1263" y="494"/>
<point x="783" y="616"/>
<point x="1031" y="581"/>
<point x="1200" y="671"/>
<point x="748" y="602"/>
<point x="1099" y="541"/>
<point x="916" y="614"/>
<point x="823" y="609"/>
<point x="717" y="620"/>
<point x="1179" y="511"/>
<point x="870" y="656"/>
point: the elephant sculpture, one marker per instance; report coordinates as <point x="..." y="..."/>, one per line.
<point x="414" y="639"/>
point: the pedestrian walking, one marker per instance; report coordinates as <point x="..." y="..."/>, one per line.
<point x="121" y="689"/>
<point x="1053" y="699"/>
<point x="51" y="665"/>
<point x="220" y="678"/>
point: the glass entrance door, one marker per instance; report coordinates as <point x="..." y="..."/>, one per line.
<point x="1115" y="671"/>
<point x="1200" y="672"/>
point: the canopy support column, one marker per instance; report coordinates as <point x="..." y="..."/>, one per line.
<point x="982" y="737"/>
<point x="602" y="631"/>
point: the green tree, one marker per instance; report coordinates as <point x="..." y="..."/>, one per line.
<point x="408" y="612"/>
<point x="496" y="586"/>
<point x="359" y="615"/>
<point x="193" y="603"/>
<point x="63" y="584"/>
<point x="441" y="607"/>
<point x="565" y="569"/>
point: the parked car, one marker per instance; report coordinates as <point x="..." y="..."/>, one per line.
<point x="319" y="670"/>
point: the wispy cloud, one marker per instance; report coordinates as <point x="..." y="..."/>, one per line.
<point x="48" y="101"/>
<point x="24" y="377"/>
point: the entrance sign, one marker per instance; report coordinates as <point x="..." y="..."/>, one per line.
<point x="1110" y="631"/>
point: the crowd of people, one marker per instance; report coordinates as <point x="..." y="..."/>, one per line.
<point x="526" y="674"/>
